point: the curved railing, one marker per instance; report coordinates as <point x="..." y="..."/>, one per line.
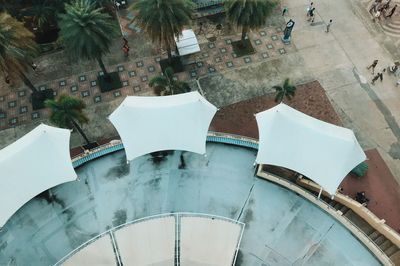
<point x="176" y="215"/>
<point x="371" y="245"/>
<point x="116" y="145"/>
<point x="368" y="216"/>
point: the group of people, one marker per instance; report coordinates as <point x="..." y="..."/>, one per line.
<point x="382" y="8"/>
<point x="378" y="75"/>
<point x="393" y="69"/>
<point x="311" y="16"/>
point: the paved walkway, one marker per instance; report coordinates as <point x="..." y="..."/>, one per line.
<point x="215" y="57"/>
<point x="338" y="60"/>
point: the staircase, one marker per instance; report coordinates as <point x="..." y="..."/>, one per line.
<point x="390" y="249"/>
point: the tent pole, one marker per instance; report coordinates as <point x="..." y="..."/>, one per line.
<point x="320" y="192"/>
<point x="200" y="89"/>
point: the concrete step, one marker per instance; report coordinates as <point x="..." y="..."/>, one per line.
<point x="380" y="239"/>
<point x="344" y="209"/>
<point x="374" y="235"/>
<point x="391" y="250"/>
<point x="337" y="206"/>
<point x="386" y="244"/>
<point x="395" y="258"/>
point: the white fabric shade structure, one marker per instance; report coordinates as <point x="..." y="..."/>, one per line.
<point x="34" y="163"/>
<point x="321" y="151"/>
<point x="187" y="43"/>
<point x="177" y="122"/>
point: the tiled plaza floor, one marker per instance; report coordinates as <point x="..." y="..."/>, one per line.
<point x="218" y="56"/>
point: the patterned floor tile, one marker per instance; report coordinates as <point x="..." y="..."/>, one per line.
<point x="85" y="94"/>
<point x="139" y="63"/>
<point x="97" y="99"/>
<point x="21" y="93"/>
<point x="132" y="73"/>
<point x="23" y="109"/>
<point x="229" y="64"/>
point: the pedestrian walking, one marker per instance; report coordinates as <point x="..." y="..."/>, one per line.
<point x="373" y="65"/>
<point x="377" y="15"/>
<point x="378" y="75"/>
<point x="328" y="26"/>
<point x="375" y="78"/>
<point x="284" y="11"/>
<point x="34" y="66"/>
<point x="391" y="12"/>
<point x="387" y="4"/>
<point x="125" y="49"/>
<point x="312" y="15"/>
<point x="373" y="7"/>
<point x="309" y="8"/>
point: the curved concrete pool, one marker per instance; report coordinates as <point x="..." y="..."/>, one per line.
<point x="281" y="228"/>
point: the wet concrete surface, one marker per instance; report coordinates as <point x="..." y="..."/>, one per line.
<point x="281" y="228"/>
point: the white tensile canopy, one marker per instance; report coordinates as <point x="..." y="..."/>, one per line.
<point x="34" y="163"/>
<point x="187" y="43"/>
<point x="321" y="151"/>
<point x="177" y="122"/>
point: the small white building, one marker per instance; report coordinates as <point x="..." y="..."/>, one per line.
<point x="186" y="43"/>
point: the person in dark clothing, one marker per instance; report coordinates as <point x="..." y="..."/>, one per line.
<point x="373" y="65"/>
<point x="312" y="15"/>
<point x="391" y="12"/>
<point x="379" y="75"/>
<point x="361" y="198"/>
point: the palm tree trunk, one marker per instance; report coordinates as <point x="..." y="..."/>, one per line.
<point x="244" y="33"/>
<point x="169" y="53"/>
<point x="80" y="130"/>
<point x="101" y="64"/>
<point x="28" y="82"/>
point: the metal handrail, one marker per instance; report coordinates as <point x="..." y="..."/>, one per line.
<point x="147" y="218"/>
<point x="333" y="210"/>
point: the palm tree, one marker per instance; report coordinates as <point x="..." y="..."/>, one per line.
<point x="67" y="112"/>
<point x="86" y="31"/>
<point x="43" y="12"/>
<point x="167" y="85"/>
<point x="17" y="48"/>
<point x="287" y="90"/>
<point x="163" y="19"/>
<point x="248" y="14"/>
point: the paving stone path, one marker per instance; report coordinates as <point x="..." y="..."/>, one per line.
<point x="218" y="56"/>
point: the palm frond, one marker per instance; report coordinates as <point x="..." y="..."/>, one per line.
<point x="86" y="31"/>
<point x="17" y="46"/>
<point x="249" y="14"/>
<point x="163" y="19"/>
<point x="66" y="108"/>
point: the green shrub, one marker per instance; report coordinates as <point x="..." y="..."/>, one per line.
<point x="360" y="170"/>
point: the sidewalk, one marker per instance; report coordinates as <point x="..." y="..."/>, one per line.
<point x="215" y="58"/>
<point x="338" y="60"/>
